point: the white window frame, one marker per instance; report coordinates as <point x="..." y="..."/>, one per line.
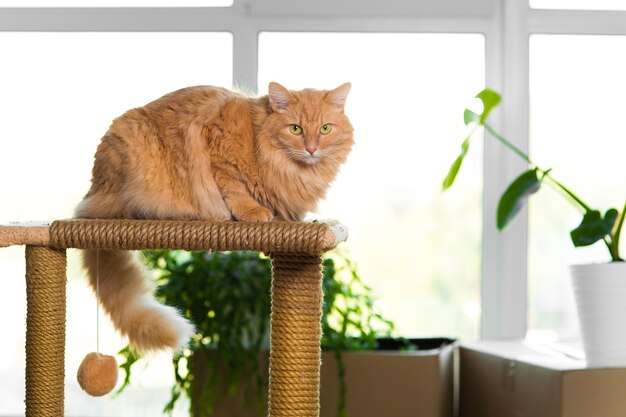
<point x="506" y="25"/>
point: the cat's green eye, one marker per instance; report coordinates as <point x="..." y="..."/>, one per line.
<point x="295" y="129"/>
<point x="325" y="130"/>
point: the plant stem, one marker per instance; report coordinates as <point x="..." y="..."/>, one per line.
<point x="617" y="232"/>
<point x="508" y="144"/>
<point x="570" y="194"/>
<point x="343" y="388"/>
<point x="574" y="198"/>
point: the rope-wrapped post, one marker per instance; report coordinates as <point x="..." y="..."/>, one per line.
<point x="296" y="249"/>
<point x="45" y="331"/>
<point x="295" y="334"/>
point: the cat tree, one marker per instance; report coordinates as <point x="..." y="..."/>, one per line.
<point x="294" y="247"/>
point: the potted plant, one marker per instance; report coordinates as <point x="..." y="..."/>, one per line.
<point x="227" y="297"/>
<point x="600" y="289"/>
<point x="224" y="370"/>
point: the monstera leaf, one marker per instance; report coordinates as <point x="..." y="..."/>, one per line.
<point x="456" y="165"/>
<point x="594" y="227"/>
<point x="490" y="100"/>
<point x="516" y="195"/>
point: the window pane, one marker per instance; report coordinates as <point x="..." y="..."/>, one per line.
<point x="577" y="93"/>
<point x="60" y="92"/>
<point x="116" y="3"/>
<point x="417" y="247"/>
<point x="578" y="4"/>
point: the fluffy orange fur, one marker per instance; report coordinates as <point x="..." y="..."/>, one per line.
<point x="213" y="154"/>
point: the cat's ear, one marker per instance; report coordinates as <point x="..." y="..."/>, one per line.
<point x="279" y="97"/>
<point x="338" y="95"/>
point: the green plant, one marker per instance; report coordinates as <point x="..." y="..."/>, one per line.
<point x="593" y="227"/>
<point x="227" y="297"/>
<point x="349" y="320"/>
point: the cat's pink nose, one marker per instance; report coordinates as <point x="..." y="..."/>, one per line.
<point x="311" y="149"/>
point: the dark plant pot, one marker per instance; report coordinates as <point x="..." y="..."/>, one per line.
<point x="244" y="402"/>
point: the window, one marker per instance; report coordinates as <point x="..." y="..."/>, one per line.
<point x="577" y="92"/>
<point x="436" y="261"/>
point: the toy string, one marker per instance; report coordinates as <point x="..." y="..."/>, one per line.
<point x="97" y="300"/>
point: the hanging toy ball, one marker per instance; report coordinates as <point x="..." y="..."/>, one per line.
<point x="97" y="374"/>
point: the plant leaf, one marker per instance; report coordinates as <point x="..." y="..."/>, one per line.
<point x="593" y="227"/>
<point x="456" y="165"/>
<point x="610" y="217"/>
<point x="515" y="196"/>
<point x="454" y="169"/>
<point x="470" y="117"/>
<point x="131" y="357"/>
<point x="490" y="100"/>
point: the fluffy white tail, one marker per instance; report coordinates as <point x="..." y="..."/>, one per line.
<point x="125" y="294"/>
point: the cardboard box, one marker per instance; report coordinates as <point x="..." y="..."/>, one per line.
<point x="516" y="379"/>
<point x="384" y="383"/>
<point x="393" y="383"/>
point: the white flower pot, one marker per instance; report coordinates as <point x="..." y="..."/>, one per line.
<point x="600" y="293"/>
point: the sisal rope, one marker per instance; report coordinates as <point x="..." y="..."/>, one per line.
<point x="295" y="357"/>
<point x="45" y="331"/>
<point x="295" y="334"/>
<point x="292" y="237"/>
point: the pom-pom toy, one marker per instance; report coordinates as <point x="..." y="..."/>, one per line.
<point x="97" y="374"/>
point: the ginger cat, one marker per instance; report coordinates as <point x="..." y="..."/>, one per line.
<point x="212" y="154"/>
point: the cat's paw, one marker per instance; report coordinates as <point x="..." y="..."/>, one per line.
<point x="257" y="215"/>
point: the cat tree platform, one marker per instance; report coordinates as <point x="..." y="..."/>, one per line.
<point x="295" y="332"/>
